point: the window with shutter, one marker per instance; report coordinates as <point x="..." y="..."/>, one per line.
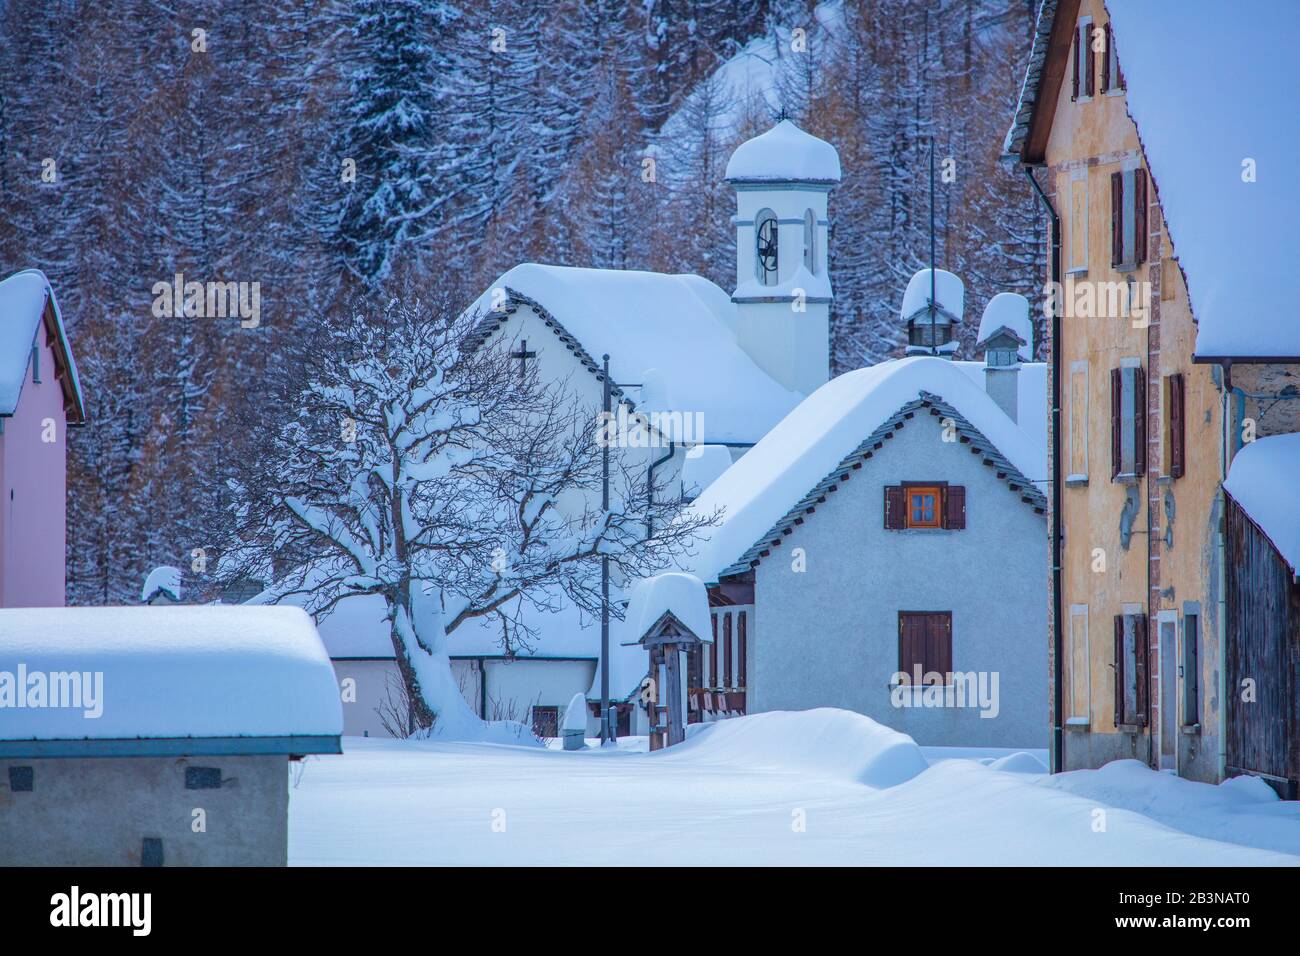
<point x="1128" y="411"/>
<point x="925" y="641"/>
<point x="1131" y="686"/>
<point x="1174" y="418"/>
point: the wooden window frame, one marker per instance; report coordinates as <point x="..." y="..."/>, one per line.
<point x="1132" y="657"/>
<point x="1121" y="454"/>
<point x="911" y="491"/>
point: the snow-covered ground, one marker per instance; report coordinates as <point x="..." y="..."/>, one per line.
<point x="815" y="787"/>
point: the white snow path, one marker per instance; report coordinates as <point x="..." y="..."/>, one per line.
<point x="406" y="803"/>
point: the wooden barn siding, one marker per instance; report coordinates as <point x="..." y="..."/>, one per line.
<point x="1263" y="619"/>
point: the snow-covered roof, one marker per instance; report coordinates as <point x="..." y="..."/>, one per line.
<point x="1008" y="310"/>
<point x="949" y="292"/>
<point x="809" y="446"/>
<point x="673" y="591"/>
<point x="681" y="326"/>
<point x="1233" y="239"/>
<point x="23" y="297"/>
<point x="1263" y="480"/>
<point x="1029" y="88"/>
<point x="165" y="579"/>
<point x="702" y="467"/>
<point x="172" y="672"/>
<point x="787" y="154"/>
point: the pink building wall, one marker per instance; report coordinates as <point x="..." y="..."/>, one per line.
<point x="33" y="492"/>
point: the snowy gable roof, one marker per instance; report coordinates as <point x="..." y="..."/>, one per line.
<point x="1234" y="239"/>
<point x="1010" y="311"/>
<point x="172" y="672"/>
<point x="27" y="302"/>
<point x="1263" y="480"/>
<point x="785" y="153"/>
<point x="677" y="325"/>
<point x="842" y="423"/>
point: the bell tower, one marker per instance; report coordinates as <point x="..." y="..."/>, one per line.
<point x="783" y="180"/>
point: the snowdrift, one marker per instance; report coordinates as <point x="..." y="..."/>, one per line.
<point x="825" y="741"/>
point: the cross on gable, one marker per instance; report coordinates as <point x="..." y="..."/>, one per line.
<point x="523" y="355"/>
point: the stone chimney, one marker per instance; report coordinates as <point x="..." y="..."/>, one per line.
<point x="1006" y="336"/>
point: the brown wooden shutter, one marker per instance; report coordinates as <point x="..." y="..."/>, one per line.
<point x="895" y="508"/>
<point x="911" y="635"/>
<point x="713" y="654"/>
<point x="1116" y="218"/>
<point x="954" y="507"/>
<point x="1105" y="58"/>
<point x="1139" y="422"/>
<point x="1139" y="216"/>
<point x="938" y="650"/>
<point x="726" y="651"/>
<point x="1090" y="62"/>
<point x="1141" y="653"/>
<point x="1074" y="81"/>
<point x="1177" y="449"/>
<point x="742" y="663"/>
<point x="1119" y="669"/>
<point x="1116" y="431"/>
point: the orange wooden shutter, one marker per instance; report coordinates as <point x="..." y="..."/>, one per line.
<point x="895" y="508"/>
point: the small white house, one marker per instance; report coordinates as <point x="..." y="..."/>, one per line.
<point x="891" y="536"/>
<point x="157" y="736"/>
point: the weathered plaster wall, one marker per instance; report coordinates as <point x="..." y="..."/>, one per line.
<point x="828" y="636"/>
<point x="97" y="812"/>
<point x="1171" y="557"/>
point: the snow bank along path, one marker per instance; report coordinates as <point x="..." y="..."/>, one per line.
<point x="809" y="788"/>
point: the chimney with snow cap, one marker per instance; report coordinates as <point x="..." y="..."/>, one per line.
<point x="783" y="179"/>
<point x="1007" y="337"/>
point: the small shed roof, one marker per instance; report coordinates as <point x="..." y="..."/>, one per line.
<point x="1263" y="480"/>
<point x="167" y="679"/>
